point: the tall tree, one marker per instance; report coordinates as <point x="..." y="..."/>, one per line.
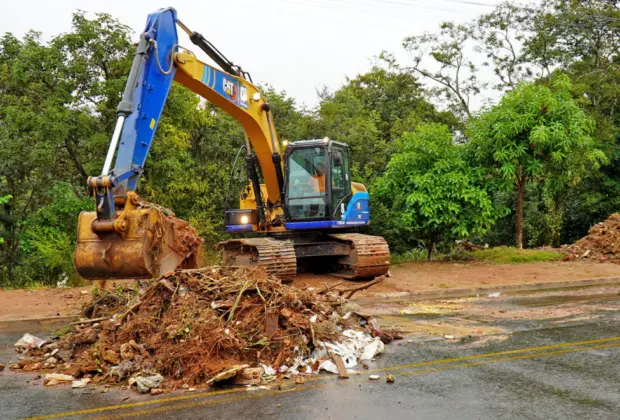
<point x="430" y="191"/>
<point x="444" y="60"/>
<point x="52" y="136"/>
<point x="536" y="134"/>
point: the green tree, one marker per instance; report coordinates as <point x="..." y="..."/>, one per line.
<point x="431" y="192"/>
<point x="52" y="130"/>
<point x="535" y="134"/>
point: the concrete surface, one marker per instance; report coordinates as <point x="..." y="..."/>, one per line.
<point x="542" y="368"/>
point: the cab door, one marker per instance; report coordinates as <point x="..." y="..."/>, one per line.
<point x="340" y="181"/>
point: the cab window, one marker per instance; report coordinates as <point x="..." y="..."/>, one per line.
<point x="306" y="190"/>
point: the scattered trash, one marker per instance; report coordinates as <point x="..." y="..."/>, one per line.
<point x="146" y="383"/>
<point x="227" y="374"/>
<point x="1" y="367"/>
<point x="62" y="284"/>
<point x="56" y="378"/>
<point x="249" y="376"/>
<point x="494" y="295"/>
<point x="373" y="377"/>
<point x="342" y="371"/>
<point x="389" y="379"/>
<point x="373" y="349"/>
<point x="449" y="337"/>
<point x="156" y="391"/>
<point x="258" y="388"/>
<point x="268" y="370"/>
<point x="112" y="357"/>
<point x="387" y="336"/>
<point x="328" y="366"/>
<point x="299" y="380"/>
<point x="82" y="383"/>
<point x="29" y="341"/>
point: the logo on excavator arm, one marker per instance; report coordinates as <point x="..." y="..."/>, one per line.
<point x="230" y="88"/>
<point x="243" y="97"/>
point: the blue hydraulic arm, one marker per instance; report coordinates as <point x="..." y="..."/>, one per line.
<point x="139" y="111"/>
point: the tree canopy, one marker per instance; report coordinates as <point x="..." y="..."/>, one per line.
<point x="442" y="157"/>
<point x="431" y="192"/>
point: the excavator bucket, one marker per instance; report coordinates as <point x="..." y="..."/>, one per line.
<point x="151" y="245"/>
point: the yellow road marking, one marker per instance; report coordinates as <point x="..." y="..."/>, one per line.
<point x="195" y="404"/>
<point x="386" y="369"/>
<point x="507" y="359"/>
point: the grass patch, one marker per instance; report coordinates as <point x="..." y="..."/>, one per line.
<point x="409" y="256"/>
<point x="421" y="255"/>
<point x="506" y="255"/>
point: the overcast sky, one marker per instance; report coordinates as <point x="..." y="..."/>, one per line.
<point x="294" y="45"/>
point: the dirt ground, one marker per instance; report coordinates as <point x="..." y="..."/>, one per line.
<point x="405" y="278"/>
<point x="41" y="303"/>
<point x="438" y="276"/>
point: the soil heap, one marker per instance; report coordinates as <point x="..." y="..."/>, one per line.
<point x="191" y="325"/>
<point x="602" y="243"/>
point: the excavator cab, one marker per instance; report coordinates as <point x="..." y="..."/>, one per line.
<point x="318" y="181"/>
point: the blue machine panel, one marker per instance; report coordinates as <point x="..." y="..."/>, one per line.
<point x="357" y="213"/>
<point x="238" y="228"/>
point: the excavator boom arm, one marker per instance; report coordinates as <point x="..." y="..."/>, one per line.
<point x="158" y="61"/>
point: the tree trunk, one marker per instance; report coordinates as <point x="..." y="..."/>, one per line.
<point x="429" y="248"/>
<point x="519" y="230"/>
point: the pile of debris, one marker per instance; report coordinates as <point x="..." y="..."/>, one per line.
<point x="602" y="243"/>
<point x="208" y="325"/>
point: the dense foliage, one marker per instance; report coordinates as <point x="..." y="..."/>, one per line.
<point x="439" y="166"/>
<point x="535" y="134"/>
<point x="431" y="193"/>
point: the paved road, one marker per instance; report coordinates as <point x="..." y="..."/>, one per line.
<point x="543" y="370"/>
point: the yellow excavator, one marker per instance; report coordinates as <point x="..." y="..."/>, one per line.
<point x="306" y="213"/>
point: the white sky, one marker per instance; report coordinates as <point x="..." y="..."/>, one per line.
<point x="294" y="45"/>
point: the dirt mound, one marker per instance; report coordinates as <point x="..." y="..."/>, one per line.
<point x="602" y="243"/>
<point x="192" y="325"/>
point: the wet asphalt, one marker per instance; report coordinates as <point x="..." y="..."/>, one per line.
<point x="543" y="370"/>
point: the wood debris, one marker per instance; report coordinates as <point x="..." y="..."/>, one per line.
<point x="602" y="243"/>
<point x="202" y="326"/>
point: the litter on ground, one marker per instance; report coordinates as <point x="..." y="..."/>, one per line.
<point x="229" y="325"/>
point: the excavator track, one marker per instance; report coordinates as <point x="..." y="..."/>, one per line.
<point x="369" y="256"/>
<point x="276" y="256"/>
